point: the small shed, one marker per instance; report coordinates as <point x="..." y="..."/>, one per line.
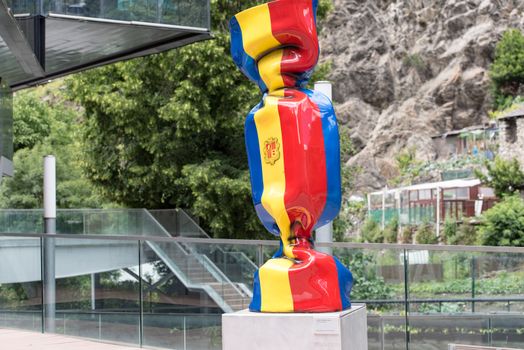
<point x="512" y="135"/>
<point x="431" y="202"/>
<point x="477" y="140"/>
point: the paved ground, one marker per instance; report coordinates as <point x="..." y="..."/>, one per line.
<point x="20" y="340"/>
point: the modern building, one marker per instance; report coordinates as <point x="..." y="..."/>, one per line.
<point x="41" y="40"/>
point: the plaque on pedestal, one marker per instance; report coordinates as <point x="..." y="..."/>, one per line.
<point x="306" y="331"/>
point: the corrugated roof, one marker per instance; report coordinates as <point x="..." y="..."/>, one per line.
<point x="433" y="185"/>
<point x="482" y="127"/>
<point x="517" y="113"/>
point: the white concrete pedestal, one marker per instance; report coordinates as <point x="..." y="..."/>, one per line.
<point x="267" y="331"/>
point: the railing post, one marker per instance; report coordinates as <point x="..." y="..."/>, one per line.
<point x="473" y="273"/>
<point x="490" y="331"/>
<point x="141" y="298"/>
<point x="382" y="336"/>
<point x="260" y="255"/>
<point x="438" y="212"/>
<point x="406" y="297"/>
<point x="185" y="339"/>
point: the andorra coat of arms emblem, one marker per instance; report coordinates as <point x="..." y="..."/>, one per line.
<point x="271" y="150"/>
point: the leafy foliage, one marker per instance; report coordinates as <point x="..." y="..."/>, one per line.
<point x="352" y="213"/>
<point x="51" y="129"/>
<point x="368" y="285"/>
<point x="409" y="167"/>
<point x="502" y="284"/>
<point x="159" y="132"/>
<point x="450" y="230"/>
<point x="426" y="234"/>
<point x="503" y="225"/>
<point x="504" y="176"/>
<point x="391" y="231"/>
<point x="459" y="234"/>
<point x="407" y="234"/>
<point x="31" y="118"/>
<point x="507" y="70"/>
<point x="371" y="231"/>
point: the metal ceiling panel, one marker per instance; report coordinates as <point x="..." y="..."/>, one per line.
<point x="72" y="43"/>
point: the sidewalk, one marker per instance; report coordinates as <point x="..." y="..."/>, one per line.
<point x="21" y="340"/>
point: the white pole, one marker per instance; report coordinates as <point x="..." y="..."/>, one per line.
<point x="49" y="188"/>
<point x="324" y="234"/>
<point x="325" y="87"/>
<point x="384" y="208"/>
<point x="438" y="211"/>
<point x="49" y="243"/>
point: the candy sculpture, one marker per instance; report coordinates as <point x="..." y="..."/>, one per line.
<point x="294" y="157"/>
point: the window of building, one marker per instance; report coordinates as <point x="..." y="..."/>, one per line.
<point x="463" y="193"/>
<point x="424" y="194"/>
<point x="450" y="193"/>
<point x="487" y="192"/>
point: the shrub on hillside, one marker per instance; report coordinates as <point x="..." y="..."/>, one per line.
<point x="504" y="176"/>
<point x="507" y="70"/>
<point x="503" y="225"/>
<point x="368" y="284"/>
<point x="391" y="231"/>
<point x="371" y="231"/>
<point x="426" y="234"/>
<point x="450" y="230"/>
<point x="407" y="234"/>
<point x="460" y="234"/>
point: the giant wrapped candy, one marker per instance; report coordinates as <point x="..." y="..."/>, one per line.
<point x="294" y="157"/>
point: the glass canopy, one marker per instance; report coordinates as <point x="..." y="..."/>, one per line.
<point x="43" y="39"/>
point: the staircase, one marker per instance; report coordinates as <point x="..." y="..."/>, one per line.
<point x="197" y="271"/>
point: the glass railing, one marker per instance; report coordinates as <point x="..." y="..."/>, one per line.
<point x="110" y="222"/>
<point x="190" y="13"/>
<point x="131" y="290"/>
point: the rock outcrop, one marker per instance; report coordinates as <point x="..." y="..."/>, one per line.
<point x="406" y="70"/>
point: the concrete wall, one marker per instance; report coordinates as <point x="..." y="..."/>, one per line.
<point x="510" y="150"/>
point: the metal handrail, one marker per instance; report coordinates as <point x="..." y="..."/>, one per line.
<point x="273" y="243"/>
<point x="242" y="255"/>
<point x="217" y="272"/>
<point x="204" y="261"/>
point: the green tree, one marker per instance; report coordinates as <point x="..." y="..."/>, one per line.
<point x="503" y="225"/>
<point x="30" y="120"/>
<point x="507" y="70"/>
<point x="167" y="130"/>
<point x="52" y="128"/>
<point x="504" y="176"/>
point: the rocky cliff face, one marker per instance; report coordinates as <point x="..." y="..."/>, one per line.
<point x="406" y="70"/>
